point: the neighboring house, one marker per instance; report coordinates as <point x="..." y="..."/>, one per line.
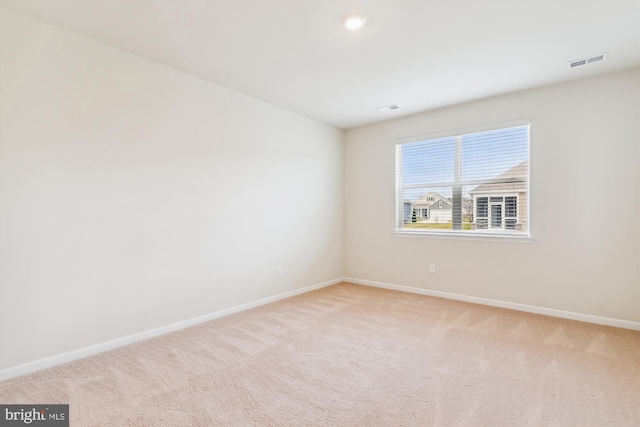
<point x="502" y="205"/>
<point x="433" y="207"/>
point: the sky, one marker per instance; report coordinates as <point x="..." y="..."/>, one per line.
<point x="485" y="155"/>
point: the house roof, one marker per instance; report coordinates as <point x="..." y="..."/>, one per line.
<point x="422" y="201"/>
<point x="519" y="171"/>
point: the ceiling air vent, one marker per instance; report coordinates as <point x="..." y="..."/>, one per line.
<point x="589" y="60"/>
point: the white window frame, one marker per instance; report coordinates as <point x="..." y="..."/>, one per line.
<point x="502" y="234"/>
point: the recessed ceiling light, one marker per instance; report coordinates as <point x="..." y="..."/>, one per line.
<point x="354" y="21"/>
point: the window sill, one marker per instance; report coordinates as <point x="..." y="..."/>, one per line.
<point x="487" y="237"/>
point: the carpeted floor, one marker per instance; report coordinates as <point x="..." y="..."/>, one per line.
<point x="350" y="355"/>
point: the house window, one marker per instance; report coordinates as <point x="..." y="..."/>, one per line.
<point x="496" y="215"/>
<point x="510" y="212"/>
<point x="503" y="212"/>
<point x="482" y="212"/>
<point x="482" y="174"/>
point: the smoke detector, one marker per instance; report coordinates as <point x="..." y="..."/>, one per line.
<point x="388" y="107"/>
<point x="588" y="60"/>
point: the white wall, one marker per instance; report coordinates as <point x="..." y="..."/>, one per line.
<point x="585" y="194"/>
<point x="134" y="196"/>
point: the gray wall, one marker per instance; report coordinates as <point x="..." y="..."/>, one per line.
<point x="123" y="186"/>
<point x="585" y="148"/>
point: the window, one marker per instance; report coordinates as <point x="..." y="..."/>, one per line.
<point x="482" y="213"/>
<point x="511" y="212"/>
<point x="482" y="174"/>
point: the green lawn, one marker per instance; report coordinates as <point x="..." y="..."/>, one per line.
<point x="440" y="226"/>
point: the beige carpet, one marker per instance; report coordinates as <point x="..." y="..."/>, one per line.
<point x="349" y="355"/>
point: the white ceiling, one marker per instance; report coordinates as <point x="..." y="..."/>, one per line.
<point x="420" y="55"/>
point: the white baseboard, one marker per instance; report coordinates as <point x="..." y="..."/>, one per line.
<point x="589" y="318"/>
<point x="48" y="362"/>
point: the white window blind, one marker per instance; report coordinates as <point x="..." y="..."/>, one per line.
<point x="467" y="183"/>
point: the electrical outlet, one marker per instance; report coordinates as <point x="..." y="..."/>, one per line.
<point x="432" y="268"/>
<point x="279" y="271"/>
